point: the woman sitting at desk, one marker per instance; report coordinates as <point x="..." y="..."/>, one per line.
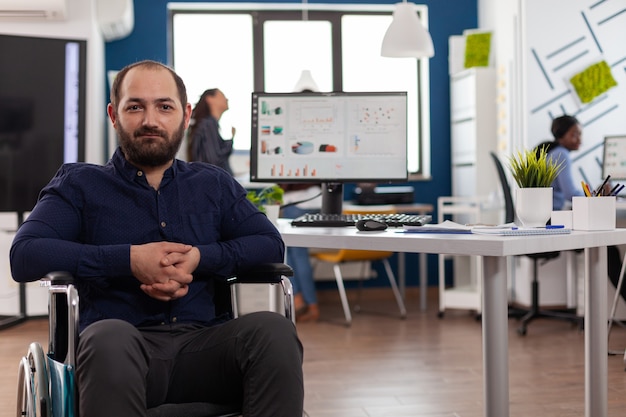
<point x="567" y="133"/>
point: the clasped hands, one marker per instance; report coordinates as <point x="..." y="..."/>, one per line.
<point x="164" y="268"/>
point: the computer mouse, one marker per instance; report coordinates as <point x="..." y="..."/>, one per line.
<point x="368" y="225"/>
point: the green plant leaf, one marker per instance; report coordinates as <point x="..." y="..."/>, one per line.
<point x="267" y="196"/>
<point x="534" y="168"/>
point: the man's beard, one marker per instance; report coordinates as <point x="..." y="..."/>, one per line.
<point x="150" y="152"/>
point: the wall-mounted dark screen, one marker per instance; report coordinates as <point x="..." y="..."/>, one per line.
<point x="42" y="114"/>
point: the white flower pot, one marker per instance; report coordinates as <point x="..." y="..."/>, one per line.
<point x="533" y="206"/>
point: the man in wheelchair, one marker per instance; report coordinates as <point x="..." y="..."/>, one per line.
<point x="147" y="237"/>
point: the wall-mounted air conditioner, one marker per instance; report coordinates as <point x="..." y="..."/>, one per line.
<point x="33" y="10"/>
<point x="116" y="18"/>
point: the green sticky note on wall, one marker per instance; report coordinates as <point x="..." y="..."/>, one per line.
<point x="477" y="49"/>
<point x="593" y="82"/>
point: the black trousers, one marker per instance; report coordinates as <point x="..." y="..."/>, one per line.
<point x="255" y="360"/>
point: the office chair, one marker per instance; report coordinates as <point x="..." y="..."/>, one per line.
<point x="337" y="258"/>
<point x="46" y="382"/>
<point x="534" y="312"/>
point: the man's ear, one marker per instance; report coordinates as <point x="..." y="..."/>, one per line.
<point x="111" y="113"/>
<point x="188" y="110"/>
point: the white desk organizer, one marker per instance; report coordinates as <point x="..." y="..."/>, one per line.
<point x="593" y="213"/>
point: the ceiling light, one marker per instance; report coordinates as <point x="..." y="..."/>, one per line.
<point x="406" y="36"/>
<point x="306" y="82"/>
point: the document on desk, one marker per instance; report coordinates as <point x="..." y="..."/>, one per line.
<point x="446" y="227"/>
<point x="509" y="229"/>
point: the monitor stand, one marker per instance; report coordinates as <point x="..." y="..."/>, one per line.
<point x="332" y="198"/>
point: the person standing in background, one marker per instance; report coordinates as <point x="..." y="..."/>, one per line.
<point x="205" y="143"/>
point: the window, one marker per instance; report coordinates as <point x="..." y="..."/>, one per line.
<point x="292" y="46"/>
<point x="240" y="50"/>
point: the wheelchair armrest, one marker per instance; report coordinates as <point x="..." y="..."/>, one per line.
<point x="63" y="316"/>
<point x="270" y="273"/>
<point x="59" y="278"/>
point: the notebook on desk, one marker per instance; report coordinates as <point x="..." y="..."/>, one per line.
<point x="521" y="231"/>
<point x="509" y="229"/>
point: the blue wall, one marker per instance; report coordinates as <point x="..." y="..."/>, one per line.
<point x="446" y="18"/>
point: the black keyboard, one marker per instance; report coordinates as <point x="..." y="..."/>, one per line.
<point x="344" y="220"/>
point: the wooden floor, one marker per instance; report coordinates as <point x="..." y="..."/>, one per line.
<point x="422" y="366"/>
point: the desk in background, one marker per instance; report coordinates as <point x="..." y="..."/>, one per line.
<point x="494" y="250"/>
<point x="415" y="208"/>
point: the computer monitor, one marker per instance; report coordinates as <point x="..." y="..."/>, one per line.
<point x="329" y="138"/>
<point x="614" y="161"/>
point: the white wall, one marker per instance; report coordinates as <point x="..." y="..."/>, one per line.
<point x="81" y="23"/>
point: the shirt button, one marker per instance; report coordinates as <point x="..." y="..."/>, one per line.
<point x="162" y="224"/>
<point x="140" y="173"/>
<point x="174" y="319"/>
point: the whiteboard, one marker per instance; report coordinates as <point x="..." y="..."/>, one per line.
<point x="560" y="38"/>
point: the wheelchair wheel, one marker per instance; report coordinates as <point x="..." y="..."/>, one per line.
<point x="33" y="399"/>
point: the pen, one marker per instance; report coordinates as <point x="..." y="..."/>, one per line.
<point x="585" y="188"/>
<point x="598" y="190"/>
<point x="548" y="226"/>
<point x="613" y="189"/>
<point x="619" y="190"/>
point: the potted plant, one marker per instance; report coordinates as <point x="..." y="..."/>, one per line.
<point x="533" y="168"/>
<point x="534" y="172"/>
<point x="267" y="200"/>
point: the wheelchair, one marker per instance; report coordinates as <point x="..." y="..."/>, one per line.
<point x="46" y="382"/>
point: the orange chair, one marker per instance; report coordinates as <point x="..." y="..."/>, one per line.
<point x="342" y="256"/>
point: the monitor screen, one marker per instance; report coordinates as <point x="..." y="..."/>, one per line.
<point x="329" y="138"/>
<point x="42" y="114"/>
<point x="614" y="162"/>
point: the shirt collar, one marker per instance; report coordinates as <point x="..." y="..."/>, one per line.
<point x="129" y="171"/>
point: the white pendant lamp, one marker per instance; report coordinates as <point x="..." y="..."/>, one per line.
<point x="406" y="36"/>
<point x="306" y="82"/>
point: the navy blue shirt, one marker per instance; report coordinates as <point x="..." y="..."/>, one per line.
<point x="88" y="216"/>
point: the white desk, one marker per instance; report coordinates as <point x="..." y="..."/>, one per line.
<point x="494" y="250"/>
<point x="419" y="208"/>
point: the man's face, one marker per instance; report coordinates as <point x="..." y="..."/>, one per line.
<point x="150" y="119"/>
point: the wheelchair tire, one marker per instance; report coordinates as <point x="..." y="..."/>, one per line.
<point x="33" y="399"/>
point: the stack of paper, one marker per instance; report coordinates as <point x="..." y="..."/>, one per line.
<point x="445" y="227"/>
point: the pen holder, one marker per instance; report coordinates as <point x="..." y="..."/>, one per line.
<point x="593" y="213"/>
